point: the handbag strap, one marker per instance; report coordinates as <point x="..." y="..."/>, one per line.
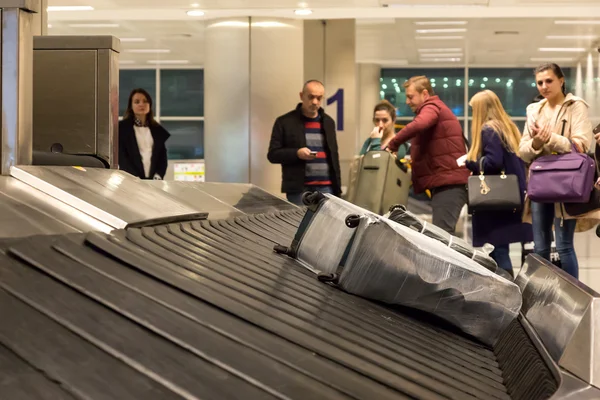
<point x="502" y="173"/>
<point x="596" y="157"/>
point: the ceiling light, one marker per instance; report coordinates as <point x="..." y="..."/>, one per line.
<point x="562" y="49"/>
<point x="440" y="22"/>
<point x="575" y="22"/>
<point x="147" y="50"/>
<point x="572" y="37"/>
<point x="49" y="25"/>
<point x="450" y="59"/>
<point x="449" y="30"/>
<point x="94" y="25"/>
<point x="440" y="37"/>
<point x="448" y="50"/>
<point x="195" y="13"/>
<point x="556" y="59"/>
<point x="303" y="11"/>
<point x="69" y="8"/>
<point x="132" y="39"/>
<point x="195" y="5"/>
<point x="441" y="55"/>
<point x="168" y="61"/>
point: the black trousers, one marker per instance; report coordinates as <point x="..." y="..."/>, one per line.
<point x="447" y="202"/>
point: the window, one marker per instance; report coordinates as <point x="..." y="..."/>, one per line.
<point x="130" y="79"/>
<point x="186" y="141"/>
<point x="515" y="87"/>
<point x="447" y="83"/>
<point x="178" y="96"/>
<point x="182" y="93"/>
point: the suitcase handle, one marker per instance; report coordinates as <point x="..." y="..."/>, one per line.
<point x="401" y="165"/>
<point x="372" y="167"/>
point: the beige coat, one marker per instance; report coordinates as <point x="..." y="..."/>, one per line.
<point x="578" y="129"/>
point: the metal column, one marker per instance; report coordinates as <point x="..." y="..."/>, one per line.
<point x="17" y="78"/>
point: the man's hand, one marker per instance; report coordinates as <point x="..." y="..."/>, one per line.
<point x="304" y="154"/>
<point x="376" y="133"/>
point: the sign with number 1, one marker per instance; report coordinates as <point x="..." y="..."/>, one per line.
<point x="338" y="98"/>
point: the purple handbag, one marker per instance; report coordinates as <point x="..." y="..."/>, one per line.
<point x="562" y="178"/>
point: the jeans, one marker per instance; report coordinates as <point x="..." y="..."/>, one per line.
<point x="296" y="198"/>
<point x="446" y="205"/>
<point x="501" y="255"/>
<point x="543" y="218"/>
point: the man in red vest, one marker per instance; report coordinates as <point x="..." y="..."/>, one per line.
<point x="437" y="142"/>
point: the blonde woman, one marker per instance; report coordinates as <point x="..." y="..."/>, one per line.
<point x="495" y="147"/>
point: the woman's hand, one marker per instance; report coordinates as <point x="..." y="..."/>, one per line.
<point x="541" y="136"/>
<point x="376" y="133"/>
<point x="597" y="184"/>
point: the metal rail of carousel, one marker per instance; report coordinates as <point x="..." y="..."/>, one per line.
<point x="116" y="288"/>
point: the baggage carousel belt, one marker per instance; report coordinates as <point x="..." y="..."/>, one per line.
<point x="206" y="310"/>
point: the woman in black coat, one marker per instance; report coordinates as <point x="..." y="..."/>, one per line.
<point x="495" y="147"/>
<point x="142" y="149"/>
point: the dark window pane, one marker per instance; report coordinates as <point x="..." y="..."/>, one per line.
<point x="515" y="87"/>
<point x="519" y="123"/>
<point x="447" y="83"/>
<point x="186" y="141"/>
<point x="130" y="79"/>
<point x="182" y="93"/>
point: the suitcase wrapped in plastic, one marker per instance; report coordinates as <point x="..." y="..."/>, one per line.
<point x="395" y="264"/>
<point x="376" y="258"/>
<point x="404" y="217"/>
<point x="323" y="236"/>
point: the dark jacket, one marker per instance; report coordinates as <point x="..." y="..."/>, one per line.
<point x="130" y="159"/>
<point x="437" y="141"/>
<point x="287" y="137"/>
<point x="499" y="227"/>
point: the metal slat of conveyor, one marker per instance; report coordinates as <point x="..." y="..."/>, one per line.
<point x="21" y="381"/>
<point x="262" y="288"/>
<point x="252" y="323"/>
<point x="253" y="312"/>
<point x="230" y="271"/>
<point x="526" y="376"/>
<point x="417" y="347"/>
<point x="285" y="271"/>
<point x="256" y="249"/>
<point x="187" y="343"/>
<point x="298" y="314"/>
<point x="90" y="276"/>
<point x="67" y="358"/>
<point x="271" y="346"/>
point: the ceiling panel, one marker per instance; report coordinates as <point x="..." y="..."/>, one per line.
<point x="488" y="40"/>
